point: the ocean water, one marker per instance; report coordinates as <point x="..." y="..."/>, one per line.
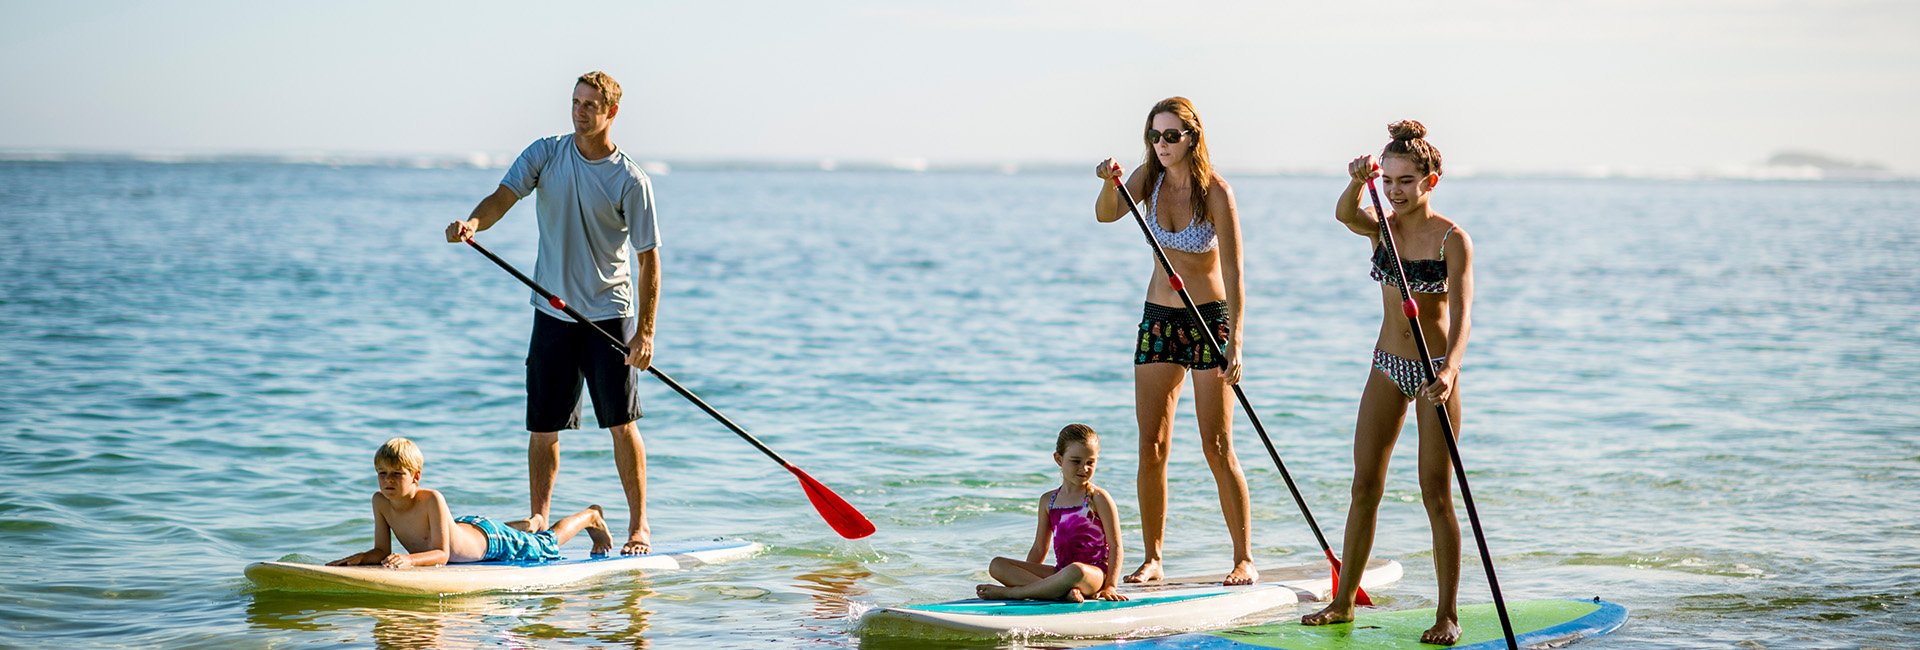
<point x="1693" y="398"/>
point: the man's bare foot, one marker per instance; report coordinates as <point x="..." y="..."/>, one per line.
<point x="1149" y="571"/>
<point x="1334" y="613"/>
<point x="1242" y="574"/>
<point x="597" y="529"/>
<point x="991" y="592"/>
<point x="1445" y="632"/>
<point x="637" y="544"/>
<point x="533" y="523"/>
<point x="1074" y="596"/>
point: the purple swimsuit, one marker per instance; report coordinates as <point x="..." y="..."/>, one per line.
<point x="1077" y="534"/>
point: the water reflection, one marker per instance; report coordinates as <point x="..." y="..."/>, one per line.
<point x="399" y="623"/>
<point x="833" y="588"/>
<point x="612" y="615"/>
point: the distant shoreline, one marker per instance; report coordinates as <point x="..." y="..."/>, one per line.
<point x="1802" y="172"/>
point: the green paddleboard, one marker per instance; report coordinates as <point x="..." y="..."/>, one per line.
<point x="1535" y="622"/>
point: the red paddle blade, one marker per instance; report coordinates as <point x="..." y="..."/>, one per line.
<point x="1359" y="595"/>
<point x="839" y="514"/>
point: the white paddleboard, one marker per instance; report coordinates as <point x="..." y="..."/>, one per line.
<point x="489" y="576"/>
<point x="1180" y="604"/>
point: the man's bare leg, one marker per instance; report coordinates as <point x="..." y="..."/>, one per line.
<point x="630" y="455"/>
<point x="543" y="464"/>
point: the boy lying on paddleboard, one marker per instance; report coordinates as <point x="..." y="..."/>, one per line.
<point x="428" y="530"/>
<point x="1082" y="524"/>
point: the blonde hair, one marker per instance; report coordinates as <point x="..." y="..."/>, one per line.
<point x="1199" y="163"/>
<point x="604" y="83"/>
<point x="401" y="453"/>
<point x="1073" y="433"/>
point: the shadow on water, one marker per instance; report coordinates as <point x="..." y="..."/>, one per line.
<point x="613" y="617"/>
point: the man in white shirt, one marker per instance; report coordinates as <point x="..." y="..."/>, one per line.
<point x="595" y="209"/>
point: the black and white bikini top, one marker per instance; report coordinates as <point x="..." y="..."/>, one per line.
<point x="1197" y="237"/>
<point x="1423" y="276"/>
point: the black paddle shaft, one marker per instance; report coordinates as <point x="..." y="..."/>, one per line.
<point x="1428" y="373"/>
<point x="1219" y="351"/>
<point x="624" y="351"/>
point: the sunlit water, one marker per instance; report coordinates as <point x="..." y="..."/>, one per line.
<point x="1695" y="399"/>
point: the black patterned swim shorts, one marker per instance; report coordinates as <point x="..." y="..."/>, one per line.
<point x="1169" y="335"/>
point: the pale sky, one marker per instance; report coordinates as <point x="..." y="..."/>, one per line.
<point x="1503" y="85"/>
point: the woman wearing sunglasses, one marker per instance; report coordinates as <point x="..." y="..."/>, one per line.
<point x="1190" y="211"/>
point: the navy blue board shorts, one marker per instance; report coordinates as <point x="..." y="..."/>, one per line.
<point x="564" y="354"/>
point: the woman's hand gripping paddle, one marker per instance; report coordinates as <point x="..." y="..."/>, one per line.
<point x="1412" y="310"/>
<point x="842" y="516"/>
<point x="1360" y="595"/>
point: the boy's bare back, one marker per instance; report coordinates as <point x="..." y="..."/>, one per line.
<point x="413" y="521"/>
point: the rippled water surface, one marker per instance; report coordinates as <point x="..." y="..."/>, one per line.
<point x="1695" y="399"/>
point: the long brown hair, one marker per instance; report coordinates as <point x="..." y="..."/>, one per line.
<point x="1200" y="166"/>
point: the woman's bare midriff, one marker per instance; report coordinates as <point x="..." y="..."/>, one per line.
<point x="1200" y="272"/>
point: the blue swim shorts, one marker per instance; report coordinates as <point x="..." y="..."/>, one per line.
<point x="507" y="544"/>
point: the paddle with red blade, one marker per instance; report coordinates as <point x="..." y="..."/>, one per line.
<point x="842" y="516"/>
<point x="1220" y="352"/>
<point x="1412" y="310"/>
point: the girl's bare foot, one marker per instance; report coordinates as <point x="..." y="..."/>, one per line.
<point x="991" y="592"/>
<point x="597" y="529"/>
<point x="1445" y="632"/>
<point x="1334" y="613"/>
<point x="1149" y="571"/>
<point x="1243" y="574"/>
<point x="1074" y="596"/>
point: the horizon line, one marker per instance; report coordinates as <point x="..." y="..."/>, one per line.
<point x="665" y="166"/>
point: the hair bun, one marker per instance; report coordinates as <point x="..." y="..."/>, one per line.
<point x="1407" y="130"/>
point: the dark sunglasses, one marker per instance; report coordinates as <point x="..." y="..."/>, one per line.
<point x="1172" y="136"/>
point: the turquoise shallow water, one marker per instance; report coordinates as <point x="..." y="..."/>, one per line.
<point x="1694" y="399"/>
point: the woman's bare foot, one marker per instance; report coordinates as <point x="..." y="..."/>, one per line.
<point x="991" y="592"/>
<point x="1334" y="613"/>
<point x="1149" y="571"/>
<point x="597" y="529"/>
<point x="1445" y="632"/>
<point x="1074" y="596"/>
<point x="1243" y="574"/>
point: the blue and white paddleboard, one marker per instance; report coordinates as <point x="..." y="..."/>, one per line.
<point x="1174" y="605"/>
<point x="1536" y="624"/>
<point x="489" y="576"/>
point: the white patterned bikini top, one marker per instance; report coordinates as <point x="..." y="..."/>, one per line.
<point x="1197" y="237"/>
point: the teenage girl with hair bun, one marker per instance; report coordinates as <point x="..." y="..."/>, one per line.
<point x="1438" y="257"/>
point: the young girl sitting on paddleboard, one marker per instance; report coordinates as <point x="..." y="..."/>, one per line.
<point x="1438" y="258"/>
<point x="1079" y="521"/>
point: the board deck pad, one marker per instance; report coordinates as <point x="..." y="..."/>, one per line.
<point x="490" y="576"/>
<point x="1157" y="607"/>
<point x="1536" y="623"/>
